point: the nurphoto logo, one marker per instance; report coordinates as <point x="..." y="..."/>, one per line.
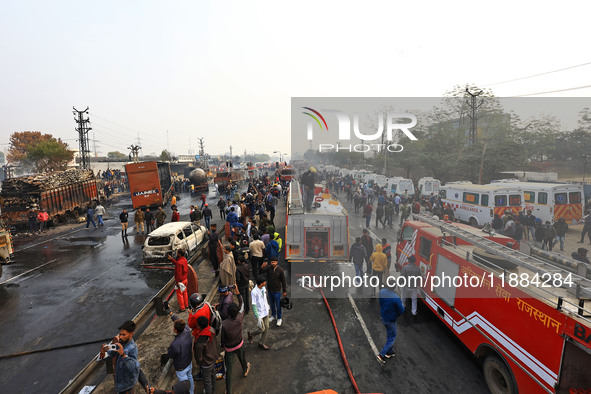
<point x="394" y="122"/>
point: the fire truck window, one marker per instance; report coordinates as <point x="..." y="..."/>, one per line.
<point x="529" y="197"/>
<point x="446" y="268"/>
<point x="514" y="200"/>
<point x="407" y="233"/>
<point x="542" y="198"/>
<point x="443" y="193"/>
<point x="500" y="201"/>
<point x="560" y="198"/>
<point x="484" y="200"/>
<point x="471" y="198"/>
<point x="425" y="250"/>
<point x="574" y="198"/>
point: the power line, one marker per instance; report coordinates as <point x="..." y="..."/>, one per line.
<point x="537" y="75"/>
<point x="553" y="91"/>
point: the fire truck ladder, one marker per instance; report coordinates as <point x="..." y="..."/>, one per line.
<point x="296" y="202"/>
<point x="582" y="291"/>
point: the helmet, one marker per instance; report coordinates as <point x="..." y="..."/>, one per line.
<point x="196" y="300"/>
<point x="285" y="303"/>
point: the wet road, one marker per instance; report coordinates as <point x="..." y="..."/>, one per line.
<point x="76" y="287"/>
<point x="429" y="357"/>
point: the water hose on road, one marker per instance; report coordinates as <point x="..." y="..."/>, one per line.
<point x="49" y="349"/>
<point x="341" y="349"/>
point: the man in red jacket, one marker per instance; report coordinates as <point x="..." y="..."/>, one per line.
<point x="181" y="269"/>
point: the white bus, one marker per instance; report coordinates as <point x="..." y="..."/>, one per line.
<point x="428" y="186"/>
<point x="477" y="204"/>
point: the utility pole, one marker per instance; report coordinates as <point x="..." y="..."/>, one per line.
<point x="231" y="152"/>
<point x="134" y="152"/>
<point x="94" y="144"/>
<point x="83" y="130"/>
<point x="139" y="142"/>
<point x="473" y="118"/>
<point x="202" y="153"/>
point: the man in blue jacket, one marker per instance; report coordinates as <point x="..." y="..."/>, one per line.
<point x="126" y="364"/>
<point x="390" y="308"/>
<point x="180" y="351"/>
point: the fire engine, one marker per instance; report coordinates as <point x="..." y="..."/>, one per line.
<point x="523" y="318"/>
<point x="321" y="234"/>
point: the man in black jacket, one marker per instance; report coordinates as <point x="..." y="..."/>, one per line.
<point x="149" y="218"/>
<point x="275" y="283"/>
<point x="124" y="217"/>
<point x="213" y="247"/>
<point x="358" y="255"/>
<point x="180" y="351"/>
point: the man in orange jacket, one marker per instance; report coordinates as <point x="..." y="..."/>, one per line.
<point x="181" y="269"/>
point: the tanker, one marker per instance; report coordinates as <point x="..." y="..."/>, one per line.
<point x="198" y="178"/>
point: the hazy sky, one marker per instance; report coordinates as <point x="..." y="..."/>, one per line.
<point x="226" y="70"/>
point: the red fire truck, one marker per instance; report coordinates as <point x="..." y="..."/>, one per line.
<point x="523" y="318"/>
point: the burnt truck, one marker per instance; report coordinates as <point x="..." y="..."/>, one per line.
<point x="65" y="196"/>
<point x="150" y="183"/>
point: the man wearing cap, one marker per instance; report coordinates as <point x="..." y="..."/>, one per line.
<point x="207" y="214"/>
<point x="226" y="299"/>
<point x="412" y="275"/>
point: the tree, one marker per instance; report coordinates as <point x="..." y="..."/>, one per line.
<point x="43" y="152"/>
<point x="165" y="156"/>
<point x="50" y="155"/>
<point x="117" y="156"/>
<point x="21" y="142"/>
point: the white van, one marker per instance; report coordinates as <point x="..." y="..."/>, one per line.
<point x="400" y="185"/>
<point x="170" y="237"/>
<point x="477" y="204"/>
<point x="552" y="201"/>
<point x="428" y="186"/>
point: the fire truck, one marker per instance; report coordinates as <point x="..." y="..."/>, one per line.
<point x="522" y="317"/>
<point x="321" y="234"/>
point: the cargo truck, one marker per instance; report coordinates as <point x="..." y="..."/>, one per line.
<point x="150" y="183"/>
<point x="63" y="194"/>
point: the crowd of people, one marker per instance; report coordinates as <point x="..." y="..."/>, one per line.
<point x="251" y="282"/>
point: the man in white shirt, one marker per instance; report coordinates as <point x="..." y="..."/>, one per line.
<point x="256" y="254"/>
<point x="260" y="308"/>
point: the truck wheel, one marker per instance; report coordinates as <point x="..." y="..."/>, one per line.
<point x="498" y="376"/>
<point x="473" y="222"/>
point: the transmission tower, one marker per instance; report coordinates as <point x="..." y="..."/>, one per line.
<point x="83" y="129"/>
<point x="473" y="117"/>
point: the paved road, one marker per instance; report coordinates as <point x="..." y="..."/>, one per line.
<point x="79" y="286"/>
<point x="305" y="355"/>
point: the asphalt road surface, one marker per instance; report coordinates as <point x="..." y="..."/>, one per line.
<point x="70" y="287"/>
<point x="305" y="357"/>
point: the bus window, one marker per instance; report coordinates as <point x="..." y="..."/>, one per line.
<point x="560" y="198"/>
<point x="471" y="198"/>
<point x="443" y="193"/>
<point x="484" y="200"/>
<point x="529" y="197"/>
<point x="542" y="198"/>
<point x="514" y="200"/>
<point x="574" y="198"/>
<point x="425" y="249"/>
<point x="501" y="201"/>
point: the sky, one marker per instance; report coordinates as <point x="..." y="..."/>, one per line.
<point x="173" y="72"/>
